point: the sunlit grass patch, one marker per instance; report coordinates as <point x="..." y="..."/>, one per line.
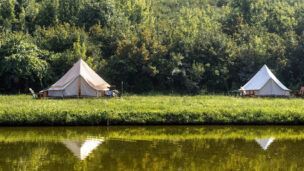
<point x="157" y="109"/>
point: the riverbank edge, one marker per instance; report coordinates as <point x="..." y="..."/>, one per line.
<point x="107" y="119"/>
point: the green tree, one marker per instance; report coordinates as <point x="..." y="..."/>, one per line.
<point x="22" y="63"/>
<point x="7" y="8"/>
<point x="95" y="13"/>
<point x="69" y="10"/>
<point x="48" y="13"/>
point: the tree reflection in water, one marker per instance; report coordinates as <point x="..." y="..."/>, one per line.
<point x="152" y="148"/>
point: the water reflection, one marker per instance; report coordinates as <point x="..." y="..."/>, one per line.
<point x="82" y="149"/>
<point x="152" y="148"/>
<point x="264" y="143"/>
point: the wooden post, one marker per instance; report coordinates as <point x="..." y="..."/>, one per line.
<point x="122" y="88"/>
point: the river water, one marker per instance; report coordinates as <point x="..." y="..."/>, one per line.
<point x="152" y="148"/>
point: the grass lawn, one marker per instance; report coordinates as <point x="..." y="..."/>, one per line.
<point x="23" y="110"/>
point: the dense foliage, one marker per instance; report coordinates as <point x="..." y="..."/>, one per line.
<point x="150" y="110"/>
<point x="184" y="46"/>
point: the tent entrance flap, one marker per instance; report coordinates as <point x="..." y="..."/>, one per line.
<point x="79" y="88"/>
<point x="87" y="89"/>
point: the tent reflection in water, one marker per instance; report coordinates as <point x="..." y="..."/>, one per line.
<point x="264" y="143"/>
<point x="82" y="149"/>
<point x="264" y="83"/>
<point x="79" y="81"/>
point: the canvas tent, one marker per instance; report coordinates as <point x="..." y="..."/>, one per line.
<point x="80" y="80"/>
<point x="264" y="83"/>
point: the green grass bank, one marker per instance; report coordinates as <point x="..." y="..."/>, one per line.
<point x="22" y="110"/>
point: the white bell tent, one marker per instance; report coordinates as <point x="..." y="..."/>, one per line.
<point x="264" y="83"/>
<point x="80" y="80"/>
